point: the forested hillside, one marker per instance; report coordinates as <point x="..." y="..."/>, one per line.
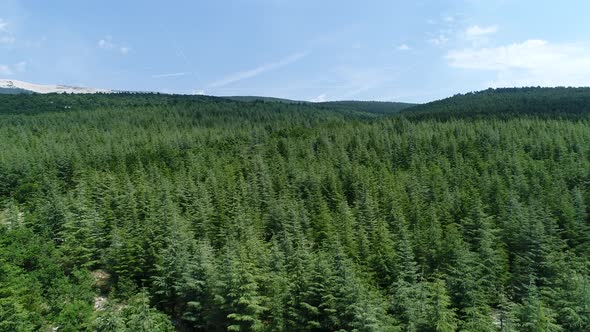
<point x="570" y="103"/>
<point x="160" y="213"/>
<point x="378" y="107"/>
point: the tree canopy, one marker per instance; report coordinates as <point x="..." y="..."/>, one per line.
<point x="146" y="212"/>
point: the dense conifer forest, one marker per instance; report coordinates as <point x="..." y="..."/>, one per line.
<point x="145" y="212"/>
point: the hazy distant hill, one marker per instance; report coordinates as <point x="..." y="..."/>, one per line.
<point x="381" y="107"/>
<point x="266" y="99"/>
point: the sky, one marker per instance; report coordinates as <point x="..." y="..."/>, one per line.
<point x="316" y="50"/>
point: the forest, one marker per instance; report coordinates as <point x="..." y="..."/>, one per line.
<point x="147" y="212"/>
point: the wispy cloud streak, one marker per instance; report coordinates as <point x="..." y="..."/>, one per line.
<point x="239" y="76"/>
<point x="169" y="75"/>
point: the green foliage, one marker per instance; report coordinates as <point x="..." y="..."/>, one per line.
<point x="136" y="315"/>
<point x="210" y="214"/>
<point x="534" y="316"/>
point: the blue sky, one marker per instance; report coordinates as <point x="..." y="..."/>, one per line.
<point x="307" y="50"/>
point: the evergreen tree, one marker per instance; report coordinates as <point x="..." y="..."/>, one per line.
<point x="441" y="316"/>
<point x="533" y="315"/>
<point x="237" y="292"/>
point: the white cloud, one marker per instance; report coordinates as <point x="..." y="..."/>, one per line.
<point x="16" y="68"/>
<point x="21" y="66"/>
<point x="403" y="47"/>
<point x="476" y="31"/>
<point x="168" y="75"/>
<point x="532" y="62"/>
<point x="108" y="44"/>
<point x="5" y="70"/>
<point x="7" y="40"/>
<point x="447" y="26"/>
<point x="258" y="70"/>
<point x="439" y="40"/>
<point x="524" y="55"/>
<point x="200" y="92"/>
<point x="319" y="99"/>
<point x="3" y="25"/>
<point x="5" y="37"/>
<point x="478" y="35"/>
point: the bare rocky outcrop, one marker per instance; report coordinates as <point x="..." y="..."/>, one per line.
<point x="102" y="283"/>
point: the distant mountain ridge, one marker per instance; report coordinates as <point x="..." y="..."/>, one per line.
<point x="375" y="107"/>
<point x="565" y="102"/>
<point x="379" y="107"/>
<point x="502" y="103"/>
<point x="265" y="99"/>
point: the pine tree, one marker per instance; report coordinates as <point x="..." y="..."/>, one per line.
<point x="533" y="315"/>
<point x="277" y="288"/>
<point x="346" y="226"/>
<point x="480" y="233"/>
<point x="464" y="275"/>
<point x="408" y="290"/>
<point x="571" y="301"/>
<point x="237" y="292"/>
<point x="195" y="287"/>
<point x="174" y="260"/>
<point x="441" y="316"/>
<point x="82" y="234"/>
<point x="354" y="304"/>
<point x="382" y="259"/>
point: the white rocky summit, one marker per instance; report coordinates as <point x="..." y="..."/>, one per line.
<point x="39" y="88"/>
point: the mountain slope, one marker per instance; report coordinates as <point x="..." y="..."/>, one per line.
<point x="508" y="103"/>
